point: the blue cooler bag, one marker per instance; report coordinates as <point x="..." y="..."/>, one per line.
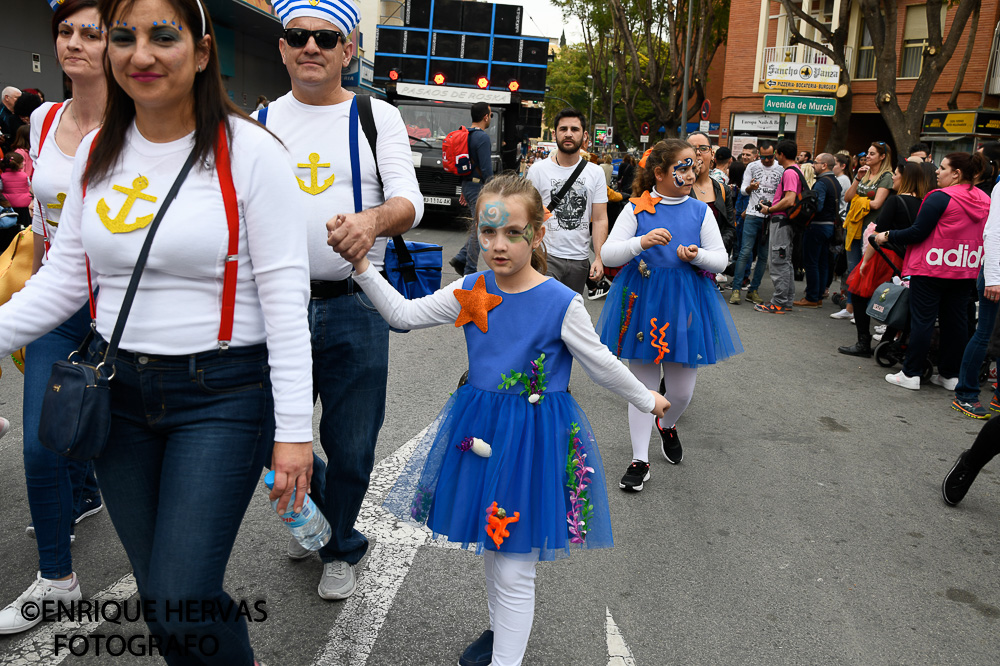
<point x="413" y="269"/>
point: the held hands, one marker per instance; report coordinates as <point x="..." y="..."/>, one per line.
<point x="292" y="464"/>
<point x="659" y="236"/>
<point x="352" y="234"/>
<point x="662" y="404"/>
<point x="360" y="262"/>
<point x="687" y="252"/>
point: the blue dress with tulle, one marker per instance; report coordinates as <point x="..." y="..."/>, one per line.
<point x="543" y="465"/>
<point x="661" y="309"/>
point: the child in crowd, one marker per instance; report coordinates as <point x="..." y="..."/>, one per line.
<point x="17" y="190"/>
<point x="511" y="463"/>
<point x="664" y="310"/>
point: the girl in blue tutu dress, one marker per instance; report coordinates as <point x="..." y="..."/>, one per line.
<point x="510" y="464"/>
<point x="664" y="311"/>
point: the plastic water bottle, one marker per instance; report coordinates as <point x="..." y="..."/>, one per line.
<point x="309" y="527"/>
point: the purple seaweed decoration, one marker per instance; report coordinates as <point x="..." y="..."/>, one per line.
<point x="578" y="481"/>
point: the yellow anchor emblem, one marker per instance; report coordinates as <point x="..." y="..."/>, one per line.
<point x="117" y="224"/>
<point x="61" y="197"/>
<point x="314" y="166"/>
<point x="313" y="2"/>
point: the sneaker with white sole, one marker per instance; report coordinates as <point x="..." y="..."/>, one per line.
<point x="296" y="551"/>
<point x="842" y="314"/>
<point x="880" y="329"/>
<point x="42" y="590"/>
<point x="338" y="581"/>
<point x="599" y="291"/>
<point x="899" y="379"/>
<point x="948" y="383"/>
<point x="635" y="476"/>
<point x="89" y="506"/>
<point x="4" y="427"/>
<point x="877" y="337"/>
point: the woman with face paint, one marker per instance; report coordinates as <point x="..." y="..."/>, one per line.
<point x="664" y="312"/>
<point x="511" y="463"/>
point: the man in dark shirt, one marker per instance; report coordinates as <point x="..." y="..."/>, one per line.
<point x="816" y="238"/>
<point x="480" y="154"/>
<point x="9" y="122"/>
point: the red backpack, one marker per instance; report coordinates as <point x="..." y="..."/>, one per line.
<point x="455" y="153"/>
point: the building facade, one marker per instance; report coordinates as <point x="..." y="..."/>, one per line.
<point x="759" y="32"/>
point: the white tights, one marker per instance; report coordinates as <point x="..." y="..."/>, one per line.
<point x="679" y="382"/>
<point x="510" y="589"/>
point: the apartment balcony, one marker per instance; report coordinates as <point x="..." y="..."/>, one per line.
<point x="800" y="53"/>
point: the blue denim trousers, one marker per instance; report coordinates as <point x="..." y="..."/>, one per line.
<point x="942" y="300"/>
<point x="816" y="259"/>
<point x="975" y="351"/>
<point x="189" y="438"/>
<point x="56" y="485"/>
<point x="350" y="347"/>
<point x="752" y="227"/>
<point x="470" y="251"/>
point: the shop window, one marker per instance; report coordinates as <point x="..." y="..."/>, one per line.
<point x="865" y="68"/>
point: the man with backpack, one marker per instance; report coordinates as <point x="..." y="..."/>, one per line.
<point x="816" y="238"/>
<point x="479" y="152"/>
<point x="352" y="160"/>
<point x="789" y="192"/>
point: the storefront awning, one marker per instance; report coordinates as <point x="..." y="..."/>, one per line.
<point x="940" y="138"/>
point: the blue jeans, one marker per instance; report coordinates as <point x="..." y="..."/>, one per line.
<point x="816" y="258"/>
<point x="469" y="254"/>
<point x="56" y="484"/>
<point x="752" y="231"/>
<point x="189" y="438"/>
<point x="942" y="300"/>
<point x="975" y="351"/>
<point x="350" y="346"/>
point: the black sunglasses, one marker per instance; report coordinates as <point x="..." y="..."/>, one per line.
<point x="767" y="157"/>
<point x="325" y="39"/>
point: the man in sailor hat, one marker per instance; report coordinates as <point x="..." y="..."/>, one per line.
<point x="350" y="340"/>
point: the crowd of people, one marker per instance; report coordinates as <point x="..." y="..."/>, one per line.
<point x="276" y="316"/>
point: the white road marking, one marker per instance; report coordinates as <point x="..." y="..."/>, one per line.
<point x="618" y="652"/>
<point x="39" y="646"/>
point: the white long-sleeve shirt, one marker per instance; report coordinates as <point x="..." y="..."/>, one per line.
<point x="991" y="241"/>
<point x="623" y="245"/>
<point x="177" y="309"/>
<point x="53" y="171"/>
<point x="577" y="331"/>
<point x="320" y="157"/>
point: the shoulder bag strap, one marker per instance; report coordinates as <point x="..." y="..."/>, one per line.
<point x="223" y="168"/>
<point x="140" y="263"/>
<point x="50" y="117"/>
<point x="558" y="198"/>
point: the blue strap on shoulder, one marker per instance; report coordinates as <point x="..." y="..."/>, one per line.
<point x="262" y="116"/>
<point x="355" y="159"/>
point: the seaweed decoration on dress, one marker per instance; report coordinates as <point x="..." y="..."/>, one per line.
<point x="577" y="481"/>
<point x="497" y="521"/>
<point x="534" y="383"/>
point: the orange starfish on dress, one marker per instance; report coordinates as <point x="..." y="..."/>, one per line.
<point x="645" y="203"/>
<point x="476" y="303"/>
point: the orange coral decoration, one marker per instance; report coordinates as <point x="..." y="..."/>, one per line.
<point x="476" y="302"/>
<point x="497" y="521"/>
<point x="645" y="203"/>
<point x="658" y="342"/>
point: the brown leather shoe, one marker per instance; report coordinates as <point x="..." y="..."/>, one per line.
<point x="803" y="303"/>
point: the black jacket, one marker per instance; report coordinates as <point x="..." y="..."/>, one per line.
<point x="829" y="191"/>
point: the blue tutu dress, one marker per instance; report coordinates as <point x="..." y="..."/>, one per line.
<point x="542" y="452"/>
<point x="666" y="310"/>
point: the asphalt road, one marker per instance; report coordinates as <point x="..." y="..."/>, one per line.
<point x="804" y="526"/>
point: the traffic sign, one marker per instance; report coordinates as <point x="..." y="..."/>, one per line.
<point x="706" y="109"/>
<point x="800" y="106"/>
<point x="644" y="138"/>
<point x="644" y="129"/>
<point x="802" y="77"/>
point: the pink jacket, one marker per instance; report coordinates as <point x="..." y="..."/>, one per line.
<point x="954" y="250"/>
<point x="15" y="188"/>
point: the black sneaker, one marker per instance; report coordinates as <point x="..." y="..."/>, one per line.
<point x="88" y="507"/>
<point x="636" y="474"/>
<point x="670" y="444"/>
<point x="459" y="266"/>
<point x="599" y="291"/>
<point x="958" y="481"/>
<point x="480" y="653"/>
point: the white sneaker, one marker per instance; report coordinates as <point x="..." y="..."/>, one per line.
<point x="877" y="337"/>
<point x="899" y="379"/>
<point x="852" y="320"/>
<point x="4" y="427"/>
<point x="297" y="551"/>
<point x="880" y="329"/>
<point x="721" y="278"/>
<point x="11" y="620"/>
<point x="338" y="581"/>
<point x="945" y="382"/>
<point x="843" y="314"/>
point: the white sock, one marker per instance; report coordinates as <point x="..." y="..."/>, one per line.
<point x="515" y="607"/>
<point x="67" y="584"/>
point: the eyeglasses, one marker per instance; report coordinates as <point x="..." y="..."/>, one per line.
<point x="767" y="157"/>
<point x="325" y="39"/>
<point x="702" y="149"/>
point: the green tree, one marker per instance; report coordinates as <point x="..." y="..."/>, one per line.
<point x="567" y="82"/>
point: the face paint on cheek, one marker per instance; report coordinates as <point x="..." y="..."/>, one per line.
<point x="687" y="162"/>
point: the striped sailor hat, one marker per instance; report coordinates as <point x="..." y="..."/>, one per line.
<point x="345" y="14"/>
<point x="54" y="4"/>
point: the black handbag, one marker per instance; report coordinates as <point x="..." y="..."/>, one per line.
<point x="76" y="409"/>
